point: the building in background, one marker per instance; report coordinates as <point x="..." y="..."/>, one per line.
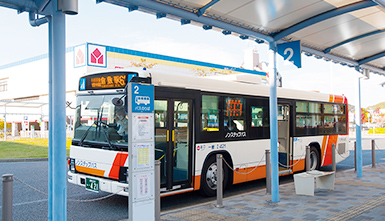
<point x="25" y="82"/>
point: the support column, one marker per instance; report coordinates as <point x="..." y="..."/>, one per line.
<point x="13" y="129"/>
<point x="358" y="131"/>
<point x="50" y="120"/>
<point x="58" y="134"/>
<point x="273" y="121"/>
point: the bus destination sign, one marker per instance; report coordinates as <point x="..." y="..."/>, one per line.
<point x="112" y="80"/>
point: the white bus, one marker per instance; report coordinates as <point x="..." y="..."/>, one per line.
<point x="196" y="118"/>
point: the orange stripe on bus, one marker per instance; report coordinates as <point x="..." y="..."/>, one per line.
<point x="328" y="157"/>
<point x="331" y="98"/>
<point x="91" y="171"/>
<point x="197" y="182"/>
<point x="258" y="173"/>
<point x="118" y="162"/>
<point x="175" y="193"/>
<point x="298" y="165"/>
<point x="338" y="99"/>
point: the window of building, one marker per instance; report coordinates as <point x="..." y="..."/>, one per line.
<point x="3" y="84"/>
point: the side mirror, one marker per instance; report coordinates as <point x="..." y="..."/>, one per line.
<point x="117" y="102"/>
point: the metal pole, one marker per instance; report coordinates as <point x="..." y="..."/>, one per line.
<point x="373" y="153"/>
<point x="268" y="172"/>
<point x="334" y="168"/>
<point x="219" y="181"/>
<point x="59" y="209"/>
<point x="307" y="160"/>
<point x="358" y="131"/>
<point x="7" y="197"/>
<point x="355" y="158"/>
<point x="273" y="121"/>
<point x="157" y="190"/>
<point x="50" y="121"/>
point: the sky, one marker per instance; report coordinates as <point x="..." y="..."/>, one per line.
<point x="111" y="25"/>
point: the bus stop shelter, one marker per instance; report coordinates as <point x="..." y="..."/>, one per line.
<point x="349" y="32"/>
<point x="20" y="105"/>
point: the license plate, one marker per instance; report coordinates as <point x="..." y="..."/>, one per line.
<point x="92" y="185"/>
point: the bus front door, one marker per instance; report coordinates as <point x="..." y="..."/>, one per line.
<point x="173" y="132"/>
<point x="284" y="138"/>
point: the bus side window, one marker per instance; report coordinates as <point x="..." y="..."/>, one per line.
<point x="210" y="113"/>
<point x="234" y="114"/>
<point x="256" y="116"/>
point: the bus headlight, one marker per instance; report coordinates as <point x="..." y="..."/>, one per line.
<point x="72" y="165"/>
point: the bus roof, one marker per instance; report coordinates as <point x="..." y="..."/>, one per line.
<point x="243" y="84"/>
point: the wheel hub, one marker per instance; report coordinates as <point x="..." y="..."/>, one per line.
<point x="211" y="176"/>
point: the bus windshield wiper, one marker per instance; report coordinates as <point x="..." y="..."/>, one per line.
<point x="98" y="123"/>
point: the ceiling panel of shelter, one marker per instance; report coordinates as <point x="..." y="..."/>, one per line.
<point x="379" y="62"/>
<point x="268" y="15"/>
<point x="362" y="48"/>
<point x="329" y="32"/>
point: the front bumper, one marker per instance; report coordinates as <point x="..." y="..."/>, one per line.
<point x="105" y="185"/>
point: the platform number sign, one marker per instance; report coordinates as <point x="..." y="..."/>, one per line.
<point x="142" y="98"/>
<point x="291" y="52"/>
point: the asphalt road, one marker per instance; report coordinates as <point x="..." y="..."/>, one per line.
<point x="29" y="204"/>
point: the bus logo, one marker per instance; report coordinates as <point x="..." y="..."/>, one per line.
<point x="142" y="100"/>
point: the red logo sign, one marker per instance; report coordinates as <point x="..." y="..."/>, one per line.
<point x="97" y="57"/>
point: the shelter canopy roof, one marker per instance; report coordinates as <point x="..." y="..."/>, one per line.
<point x="350" y="32"/>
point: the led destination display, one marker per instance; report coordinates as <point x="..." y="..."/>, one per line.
<point x="112" y="80"/>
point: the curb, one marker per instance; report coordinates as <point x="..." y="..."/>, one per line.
<point x="23" y="160"/>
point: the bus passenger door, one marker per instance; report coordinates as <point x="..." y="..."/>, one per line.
<point x="284" y="138"/>
<point x="173" y="132"/>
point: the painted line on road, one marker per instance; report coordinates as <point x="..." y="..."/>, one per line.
<point x="358" y="210"/>
<point x="26" y="203"/>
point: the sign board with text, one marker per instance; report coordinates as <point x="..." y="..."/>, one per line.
<point x="141" y="149"/>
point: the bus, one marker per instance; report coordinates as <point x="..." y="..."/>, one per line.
<point x="197" y="118"/>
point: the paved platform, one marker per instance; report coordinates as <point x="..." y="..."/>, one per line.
<point x="352" y="199"/>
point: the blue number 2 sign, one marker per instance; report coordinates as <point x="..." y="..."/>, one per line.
<point x="291" y="52"/>
<point x="142" y="98"/>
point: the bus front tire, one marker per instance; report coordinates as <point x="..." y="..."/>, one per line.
<point x="209" y="176"/>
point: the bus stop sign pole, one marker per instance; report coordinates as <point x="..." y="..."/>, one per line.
<point x="358" y="155"/>
<point x="141" y="152"/>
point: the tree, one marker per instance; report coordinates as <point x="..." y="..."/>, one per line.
<point x="364" y="116"/>
<point x="9" y="126"/>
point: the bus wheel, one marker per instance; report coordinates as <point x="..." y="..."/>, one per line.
<point x="314" y="158"/>
<point x="209" y="176"/>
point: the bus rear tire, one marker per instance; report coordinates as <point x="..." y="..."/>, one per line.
<point x="315" y="161"/>
<point x="209" y="176"/>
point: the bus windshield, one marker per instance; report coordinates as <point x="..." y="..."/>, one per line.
<point x="101" y="119"/>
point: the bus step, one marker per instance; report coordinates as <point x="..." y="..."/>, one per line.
<point x="282" y="172"/>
